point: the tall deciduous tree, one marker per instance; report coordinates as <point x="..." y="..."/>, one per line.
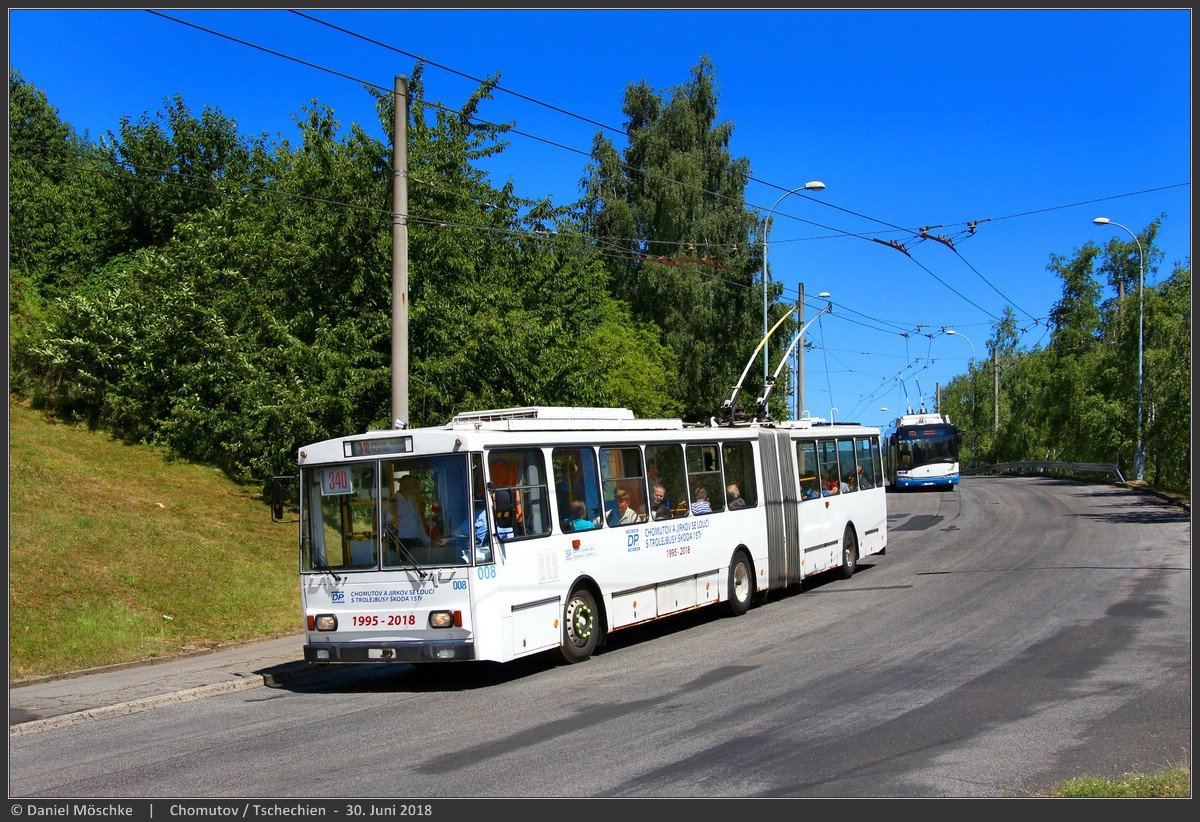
<point x="1169" y="380"/>
<point x="1078" y="406"/>
<point x="668" y="212"/>
<point x="172" y="165"/>
<point x="60" y="220"/>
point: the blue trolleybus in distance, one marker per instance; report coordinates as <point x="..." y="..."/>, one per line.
<point x="923" y="452"/>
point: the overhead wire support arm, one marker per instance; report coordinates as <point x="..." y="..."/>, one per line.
<point x="896" y="244"/>
<point x="941" y="238"/>
<point x="761" y="402"/>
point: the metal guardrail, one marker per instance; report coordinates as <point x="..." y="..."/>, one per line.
<point x="1064" y="469"/>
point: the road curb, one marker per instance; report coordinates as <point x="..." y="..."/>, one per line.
<point x="136" y="706"/>
<point x="273" y="678"/>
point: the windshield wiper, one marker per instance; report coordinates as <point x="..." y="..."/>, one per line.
<point x="318" y="561"/>
<point x="389" y="532"/>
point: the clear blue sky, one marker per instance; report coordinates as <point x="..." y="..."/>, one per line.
<point x="1029" y="123"/>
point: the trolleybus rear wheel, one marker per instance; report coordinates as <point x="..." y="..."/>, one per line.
<point x="741" y="584"/>
<point x="849" y="553"/>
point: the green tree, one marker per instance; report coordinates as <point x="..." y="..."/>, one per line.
<point x="249" y="323"/>
<point x="59" y="221"/>
<point x="668" y="214"/>
<point x="173" y="165"/>
<point x="1078" y="405"/>
<point x="258" y="317"/>
<point x="1168" y="381"/>
<point x="61" y="227"/>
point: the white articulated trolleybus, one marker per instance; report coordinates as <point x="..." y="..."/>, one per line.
<point x="517" y="531"/>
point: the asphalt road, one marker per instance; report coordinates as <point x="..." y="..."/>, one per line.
<point x="1018" y="632"/>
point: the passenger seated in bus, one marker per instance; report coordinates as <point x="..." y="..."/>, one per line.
<point x="578" y="521"/>
<point x="735" y="497"/>
<point x="808" y="488"/>
<point x="700" y="504"/>
<point x="863" y="480"/>
<point x="623" y="513"/>
<point x="831" y="487"/>
<point x="659" y="507"/>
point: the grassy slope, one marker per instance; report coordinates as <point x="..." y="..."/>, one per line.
<point x="117" y="553"/>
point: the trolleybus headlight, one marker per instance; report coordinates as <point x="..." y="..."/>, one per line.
<point x="325" y="622"/>
<point x="445" y="619"/>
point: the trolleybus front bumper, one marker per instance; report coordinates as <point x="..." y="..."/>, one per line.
<point x="359" y="652"/>
<point x="924" y="482"/>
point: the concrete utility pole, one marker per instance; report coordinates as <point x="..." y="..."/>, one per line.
<point x="400" y="255"/>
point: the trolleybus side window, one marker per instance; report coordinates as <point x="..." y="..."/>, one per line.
<point x="806" y="467"/>
<point x="827" y="457"/>
<point x="704" y="472"/>
<point x="739" y="470"/>
<point x="623" y="482"/>
<point x="576" y="483"/>
<point x="847" y="465"/>
<point x="867" y="476"/>
<point x="665" y="464"/>
<point x="522" y="471"/>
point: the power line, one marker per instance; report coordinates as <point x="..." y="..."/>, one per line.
<point x="508" y="130"/>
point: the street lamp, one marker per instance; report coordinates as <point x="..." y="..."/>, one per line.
<point x="813" y="185"/>
<point x="971" y="371"/>
<point x="1139" y="456"/>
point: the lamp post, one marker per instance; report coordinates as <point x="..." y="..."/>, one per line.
<point x="890" y="421"/>
<point x="971" y="371"/>
<point x="1139" y="456"/>
<point x="813" y="185"/>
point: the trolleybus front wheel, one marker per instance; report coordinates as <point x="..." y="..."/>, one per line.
<point x="581" y="627"/>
